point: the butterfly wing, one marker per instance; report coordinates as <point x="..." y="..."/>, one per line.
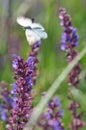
<point x="37" y="26"/>
<point x="31" y="36"/>
<point x="24" y="22"/>
<point x="41" y="33"/>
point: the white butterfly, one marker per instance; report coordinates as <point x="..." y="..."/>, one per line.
<point x="34" y="31"/>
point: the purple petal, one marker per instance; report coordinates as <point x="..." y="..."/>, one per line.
<point x="63" y="47"/>
<point x="48" y="116"/>
<point x="56" y="102"/>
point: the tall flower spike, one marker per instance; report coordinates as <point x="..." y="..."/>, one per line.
<point x="51" y="119"/>
<point x="25" y="76"/>
<point x="76" y="123"/>
<point x="68" y="43"/>
<point x="21" y="91"/>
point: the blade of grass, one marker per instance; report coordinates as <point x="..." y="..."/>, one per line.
<point x="38" y="110"/>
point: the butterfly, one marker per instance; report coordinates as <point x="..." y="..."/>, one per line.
<point x="34" y="31"/>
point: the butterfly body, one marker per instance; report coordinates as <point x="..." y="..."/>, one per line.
<point x="28" y="28"/>
<point x="34" y="31"/>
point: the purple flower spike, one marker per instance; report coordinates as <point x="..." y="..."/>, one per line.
<point x="52" y="116"/>
<point x="25" y="76"/>
<point x="21" y="93"/>
<point x="71" y="42"/>
<point x="76" y="122"/>
<point x="68" y="42"/>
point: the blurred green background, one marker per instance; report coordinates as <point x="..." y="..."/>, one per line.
<point x="52" y="60"/>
